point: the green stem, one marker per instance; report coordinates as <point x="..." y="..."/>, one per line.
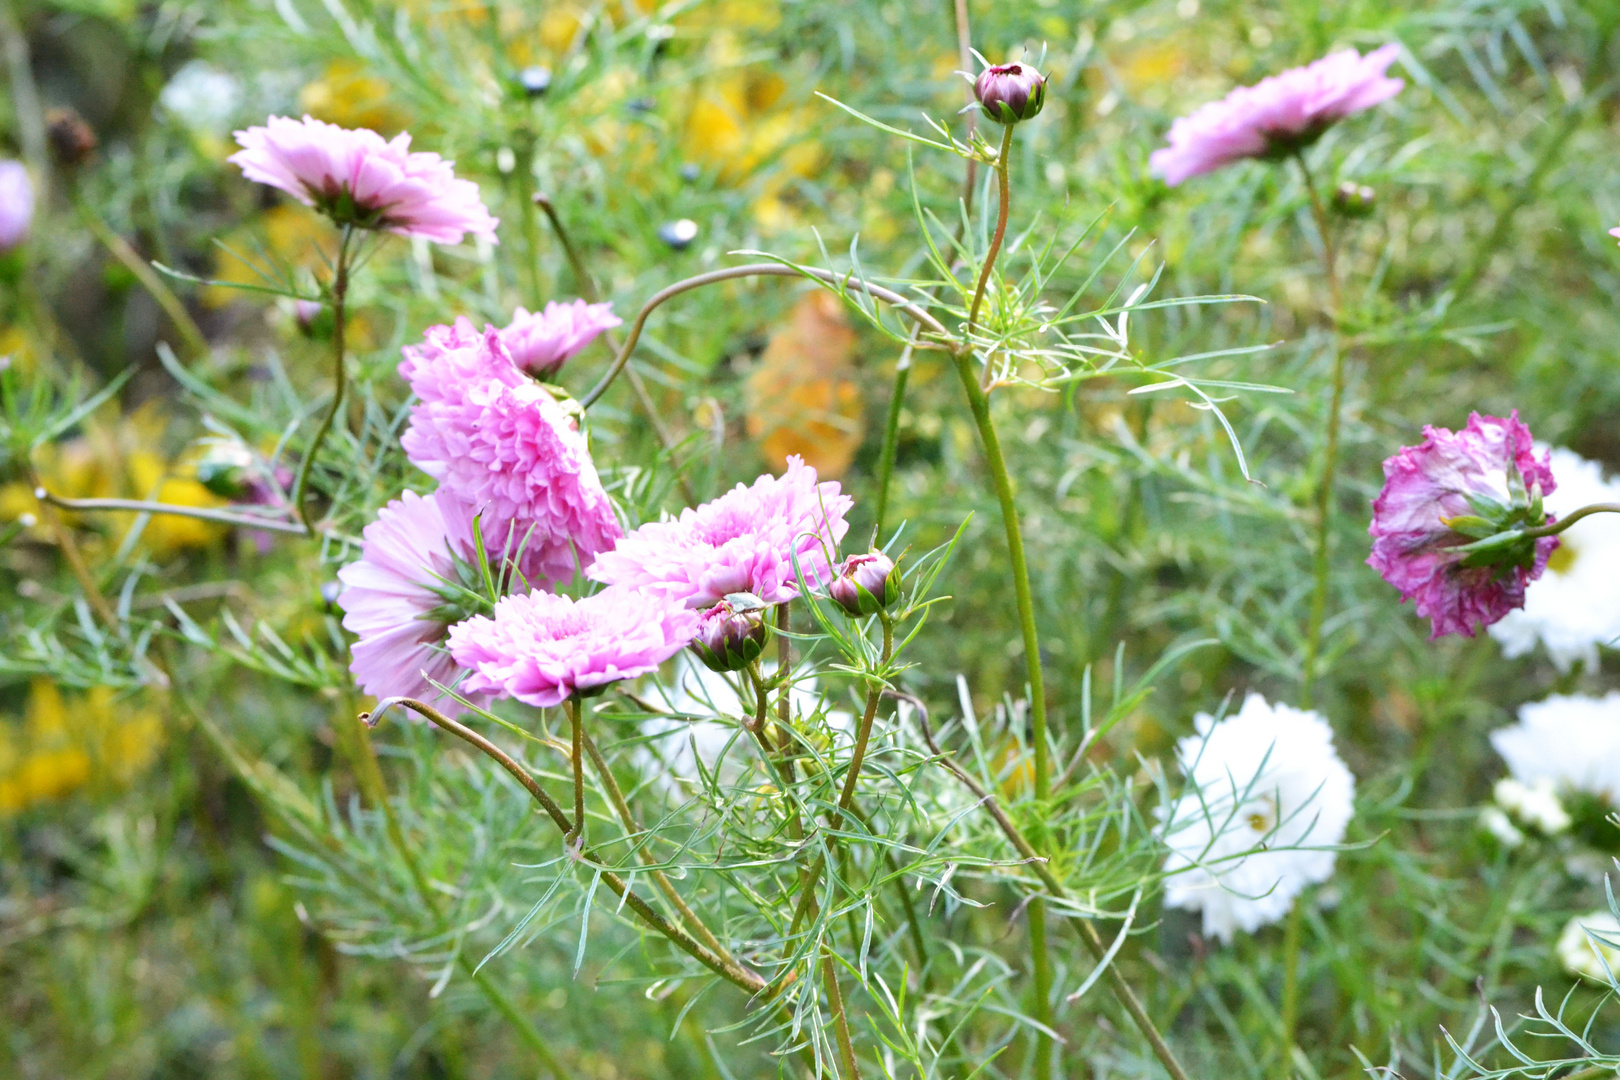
<point x="525" y="1027"/>
<point x="340" y="293"/>
<point x="190" y="335"/>
<point x="531" y="224"/>
<point x="1330" y="454"/>
<point x="891" y="433"/>
<point x="1556" y="527"/>
<point x="576" y="757"/>
<point x="835" y="1002"/>
<point x="1004" y="185"/>
<point x="1290" y="996"/>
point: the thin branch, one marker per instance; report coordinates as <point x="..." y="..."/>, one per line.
<point x="139" y="506"/>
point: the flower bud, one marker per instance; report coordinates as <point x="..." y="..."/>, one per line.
<point x="866" y="584"/>
<point x="678" y="234"/>
<point x="729" y="639"/>
<point x="1009" y="93"/>
<point x="1354" y="200"/>
<point x="534" y="81"/>
<point x="72" y="140"/>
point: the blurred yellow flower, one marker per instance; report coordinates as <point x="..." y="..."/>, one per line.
<point x="63" y="745"/>
<point x="803" y="398"/>
<point x="349" y="95"/>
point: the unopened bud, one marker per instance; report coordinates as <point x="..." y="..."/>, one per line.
<point x="866" y="584"/>
<point x="1009" y="93"/>
<point x="1354" y="200"/>
<point x="72" y="141"/>
<point x="729" y="639"/>
<point x="306" y="312"/>
<point x="534" y="81"/>
<point x="678" y="234"/>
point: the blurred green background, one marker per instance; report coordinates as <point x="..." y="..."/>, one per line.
<point x="151" y="926"/>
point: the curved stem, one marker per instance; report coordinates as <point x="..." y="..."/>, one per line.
<point x="1330" y="454"/>
<point x="1003" y="182"/>
<point x="340" y="293"/>
<point x="139" y="506"/>
<point x="1555" y="527"/>
<point x="826" y="277"/>
<point x="733" y="972"/>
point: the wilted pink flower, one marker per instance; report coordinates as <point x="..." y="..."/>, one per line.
<point x="394" y="592"/>
<point x="744" y="541"/>
<point x="1483" y="472"/>
<point x="1279" y="114"/>
<point x="508" y="451"/>
<point x="541" y="342"/>
<point x="358" y="178"/>
<point x="542" y="649"/>
<point x="16" y="204"/>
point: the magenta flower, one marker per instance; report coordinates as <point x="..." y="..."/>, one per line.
<point x="395" y="597"/>
<point x="542" y="649"/>
<point x="744" y="541"/>
<point x="358" y="178"/>
<point x="507" y="449"/>
<point x="16" y="204"/>
<point x="1454" y="489"/>
<point x="540" y="343"/>
<point x="1278" y="115"/>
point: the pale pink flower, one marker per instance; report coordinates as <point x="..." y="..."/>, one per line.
<point x="1615" y="233"/>
<point x="507" y="449"/>
<point x="1277" y="115"/>
<point x="16" y="204"/>
<point x="358" y="178"/>
<point x="744" y="541"/>
<point x="1476" y="472"/>
<point x="391" y="595"/>
<point x="541" y="342"/>
<point x="542" y="649"/>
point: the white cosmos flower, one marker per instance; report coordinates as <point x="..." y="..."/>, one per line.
<point x="1585" y="938"/>
<point x="1575" y="606"/>
<point x="1534" y="804"/>
<point x="1267" y="799"/>
<point x="1570" y="742"/>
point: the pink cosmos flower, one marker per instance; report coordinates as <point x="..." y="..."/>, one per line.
<point x="541" y="649"/>
<point x="1615" y="233"/>
<point x="390" y="596"/>
<point x="1277" y="115"/>
<point x="358" y="178"/>
<point x="507" y="449"/>
<point x="1452" y="476"/>
<point x="16" y="204"/>
<point x="744" y="541"/>
<point x="540" y="343"/>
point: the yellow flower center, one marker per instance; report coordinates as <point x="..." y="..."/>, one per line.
<point x="1562" y="560"/>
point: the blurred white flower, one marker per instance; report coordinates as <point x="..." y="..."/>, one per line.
<point x="203" y="97"/>
<point x="1267" y="797"/>
<point x="1570" y="742"/>
<point x="1585" y="938"/>
<point x="1534" y="804"/>
<point x="1494" y="820"/>
<point x="1575" y="606"/>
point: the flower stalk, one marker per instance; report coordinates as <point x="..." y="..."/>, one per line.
<point x="1320" y="565"/>
<point x="339" y="296"/>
